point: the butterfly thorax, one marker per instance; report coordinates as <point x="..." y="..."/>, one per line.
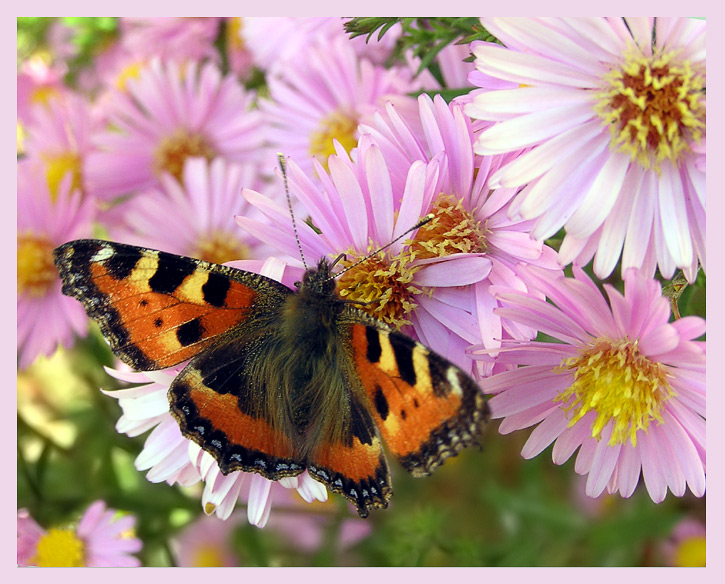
<point x="310" y="343"/>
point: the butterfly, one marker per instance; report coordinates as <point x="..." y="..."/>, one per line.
<point x="278" y="380"/>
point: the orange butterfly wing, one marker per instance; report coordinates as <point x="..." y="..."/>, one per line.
<point x="158" y="309"/>
<point x="426" y="408"/>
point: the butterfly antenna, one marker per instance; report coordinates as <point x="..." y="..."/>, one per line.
<point x="423" y="221"/>
<point x="283" y="168"/>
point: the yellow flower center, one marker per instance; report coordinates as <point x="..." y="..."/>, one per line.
<point x="21" y="138"/>
<point x="43" y="94"/>
<point x="691" y="552"/>
<point x="337" y="125"/>
<point x="172" y="152"/>
<point x="383" y="282"/>
<point x="452" y="230"/>
<point x="130" y="71"/>
<point x="220" y="247"/>
<point x="613" y="379"/>
<point x="59" y="548"/>
<point x="654" y="106"/>
<point x="36" y="271"/>
<point x="235" y="42"/>
<point x="57" y="166"/>
<point x="207" y="556"/>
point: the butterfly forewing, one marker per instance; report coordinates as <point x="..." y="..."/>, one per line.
<point x="158" y="309"/>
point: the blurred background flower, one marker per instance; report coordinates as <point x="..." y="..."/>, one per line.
<point x="99" y="539"/>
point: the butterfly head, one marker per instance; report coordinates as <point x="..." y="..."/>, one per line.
<point x="318" y="280"/>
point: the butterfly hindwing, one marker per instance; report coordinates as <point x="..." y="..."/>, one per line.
<point x="355" y="467"/>
<point x="158" y="309"/>
<point x="426" y="408"/>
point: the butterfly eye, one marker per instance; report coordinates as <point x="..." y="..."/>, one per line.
<point x="298" y="284"/>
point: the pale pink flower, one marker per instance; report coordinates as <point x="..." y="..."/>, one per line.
<point x="623" y="385"/>
<point x="322" y="95"/>
<point x="37" y="84"/>
<point x="169" y="456"/>
<point x="100" y="539"/>
<point x="358" y="210"/>
<point x="175" y="38"/>
<point x="610" y="108"/>
<point x="206" y="542"/>
<point x="166" y="116"/>
<point x="46" y="318"/>
<point x="272" y="41"/>
<point x="470" y="220"/>
<point x="686" y="545"/>
<point x="201" y="208"/>
<point x="60" y="139"/>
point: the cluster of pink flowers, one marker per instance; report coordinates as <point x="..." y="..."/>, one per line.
<point x="592" y="126"/>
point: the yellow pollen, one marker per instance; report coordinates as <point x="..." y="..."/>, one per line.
<point x="453" y="230"/>
<point x="130" y="71"/>
<point x="172" y="152"/>
<point x="691" y="552"/>
<point x="36" y="271"/>
<point x="385" y="283"/>
<point x="220" y="247"/>
<point x="57" y="166"/>
<point x="59" y="548"/>
<point x="337" y="125"/>
<point x="613" y="379"/>
<point x="654" y="106"/>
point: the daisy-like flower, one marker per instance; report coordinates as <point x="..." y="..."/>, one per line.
<point x="166" y="116"/>
<point x="624" y="386"/>
<point x="46" y="318"/>
<point x="179" y="38"/>
<point x="100" y="539"/>
<point x="468" y="220"/>
<point x="611" y="109"/>
<point x="59" y="137"/>
<point x="322" y="96"/>
<point x="38" y="82"/>
<point x="206" y="542"/>
<point x="169" y="456"/>
<point x="272" y="41"/>
<point x="686" y="545"/>
<point x="201" y="208"/>
<point x="358" y="211"/>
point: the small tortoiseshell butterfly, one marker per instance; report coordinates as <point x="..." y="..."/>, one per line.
<point x="278" y="381"/>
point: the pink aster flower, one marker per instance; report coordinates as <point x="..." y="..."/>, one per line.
<point x="469" y="220"/>
<point x="37" y="83"/>
<point x="206" y="542"/>
<point x="166" y="116"/>
<point x="624" y="386"/>
<point x="59" y="138"/>
<point x="179" y="38"/>
<point x="358" y="211"/>
<point x="100" y="539"/>
<point x="686" y="545"/>
<point x="46" y="318"/>
<point x="272" y="41"/>
<point x="610" y="108"/>
<point x="169" y="456"/>
<point x="201" y="208"/>
<point x="322" y="95"/>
